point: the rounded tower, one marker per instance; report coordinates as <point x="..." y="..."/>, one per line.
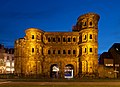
<point x="87" y="26"/>
<point x="33" y="52"/>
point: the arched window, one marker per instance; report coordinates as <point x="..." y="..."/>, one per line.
<point x="53" y="39"/>
<point x="90" y="49"/>
<point x="74" y="39"/>
<point x="90" y="36"/>
<point x="74" y="51"/>
<point x="69" y="39"/>
<point x="32" y="50"/>
<point x="64" y="52"/>
<point x="69" y="51"/>
<point x="32" y="36"/>
<point x="58" y="51"/>
<point x="90" y="23"/>
<point x="85" y="37"/>
<point x="49" y="52"/>
<point x="58" y="39"/>
<point x="85" y="50"/>
<point x="64" y="39"/>
<point x="49" y="39"/>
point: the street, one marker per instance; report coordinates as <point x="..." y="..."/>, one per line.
<point x="62" y="83"/>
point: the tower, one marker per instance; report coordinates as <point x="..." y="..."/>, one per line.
<point x="87" y="26"/>
<point x="28" y="53"/>
<point x="33" y="45"/>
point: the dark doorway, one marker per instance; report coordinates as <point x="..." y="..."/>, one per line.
<point x="54" y="71"/>
<point x="69" y="71"/>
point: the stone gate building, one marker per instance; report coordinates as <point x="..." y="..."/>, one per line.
<point x="59" y="54"/>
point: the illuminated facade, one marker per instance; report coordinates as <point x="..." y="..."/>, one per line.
<point x="59" y="54"/>
<point x="9" y="61"/>
<point x="6" y="60"/>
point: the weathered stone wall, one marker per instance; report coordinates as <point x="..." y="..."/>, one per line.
<point x="38" y="51"/>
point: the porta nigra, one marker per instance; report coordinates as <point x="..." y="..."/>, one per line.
<point x="59" y="54"/>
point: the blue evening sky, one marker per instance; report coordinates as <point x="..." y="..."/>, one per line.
<point x="58" y="15"/>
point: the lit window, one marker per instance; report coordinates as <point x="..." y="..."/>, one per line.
<point x="8" y="64"/>
<point x="90" y="36"/>
<point x="117" y="49"/>
<point x="90" y="49"/>
<point x="32" y="36"/>
<point x="12" y="64"/>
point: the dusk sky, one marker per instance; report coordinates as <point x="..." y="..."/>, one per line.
<point x="58" y="15"/>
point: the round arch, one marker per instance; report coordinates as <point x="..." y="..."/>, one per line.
<point x="69" y="71"/>
<point x="54" y="71"/>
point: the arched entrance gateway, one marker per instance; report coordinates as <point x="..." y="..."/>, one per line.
<point x="69" y="71"/>
<point x="54" y="71"/>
